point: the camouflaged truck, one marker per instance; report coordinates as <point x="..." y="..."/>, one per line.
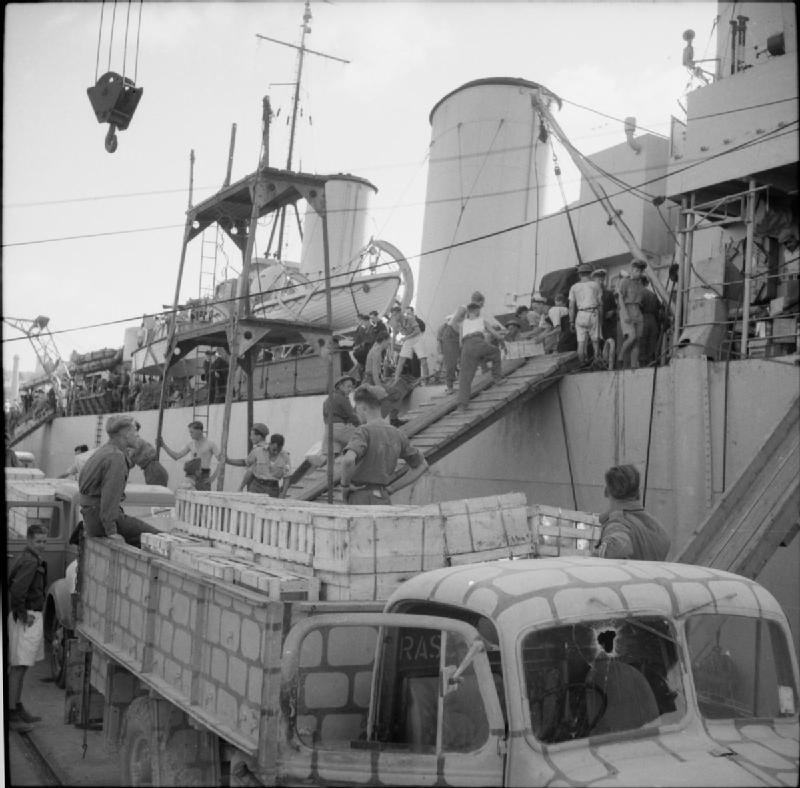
<point x="520" y="672"/>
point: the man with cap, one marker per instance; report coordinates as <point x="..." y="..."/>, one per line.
<point x="627" y="531"/>
<point x="371" y="455"/>
<point x="339" y="415"/>
<point x="608" y="321"/>
<point x="102" y="486"/>
<point x="585" y="311"/>
<point x="629" y="300"/>
<point x="475" y="350"/>
<point x="372" y="330"/>
<point x="267" y="464"/>
<point x="198" y="468"/>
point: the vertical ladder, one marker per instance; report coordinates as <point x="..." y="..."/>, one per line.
<point x="210" y="244"/>
<point x="98" y="430"/>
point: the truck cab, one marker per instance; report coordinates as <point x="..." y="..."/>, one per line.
<point x="527" y="672"/>
<point x="148" y="502"/>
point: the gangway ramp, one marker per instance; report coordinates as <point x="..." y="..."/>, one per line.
<point x="759" y="511"/>
<point x="438" y="427"/>
<point x="27" y="428"/>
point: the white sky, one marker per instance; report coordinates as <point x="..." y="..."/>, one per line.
<point x="202" y="69"/>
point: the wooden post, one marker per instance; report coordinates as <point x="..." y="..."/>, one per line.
<point x="747" y="267"/>
<point x="242" y="308"/>
<point x="327" y="260"/>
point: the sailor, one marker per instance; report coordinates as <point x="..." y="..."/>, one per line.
<point x="339" y="415"/>
<point x="585" y="311"/>
<point x="373" y="367"/>
<point x="413" y="343"/>
<point x="608" y="320"/>
<point x="268" y="466"/>
<point x="370" y="457"/>
<point x="146" y="457"/>
<point x="198" y="468"/>
<point x="475" y="349"/>
<point x="102" y="486"/>
<point x="82" y="455"/>
<point x="629" y="299"/>
<point x="627" y="530"/>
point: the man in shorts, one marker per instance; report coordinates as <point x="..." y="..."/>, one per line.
<point x="27" y="581"/>
<point x="585" y="311"/>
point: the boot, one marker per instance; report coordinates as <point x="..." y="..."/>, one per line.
<point x="25" y="716"/>
<point x="16" y="723"/>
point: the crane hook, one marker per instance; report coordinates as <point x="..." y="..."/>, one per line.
<point x="111" y="138"/>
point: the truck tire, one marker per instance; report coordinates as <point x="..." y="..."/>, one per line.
<point x="58" y="653"/>
<point x="135" y="755"/>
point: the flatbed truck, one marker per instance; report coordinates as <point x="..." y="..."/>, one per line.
<point x="518" y="671"/>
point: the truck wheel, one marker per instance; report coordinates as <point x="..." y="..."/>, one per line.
<point x="58" y="653"/>
<point x="135" y="756"/>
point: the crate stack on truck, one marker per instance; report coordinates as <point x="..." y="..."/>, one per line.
<point x="261" y="641"/>
<point x="199" y="614"/>
<point x="28" y="489"/>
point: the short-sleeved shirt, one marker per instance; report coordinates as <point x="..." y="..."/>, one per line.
<point x="338" y="409"/>
<point x="266" y="467"/>
<point x="204" y="449"/>
<point x="586" y="295"/>
<point x="630" y="290"/>
<point x="378" y="446"/>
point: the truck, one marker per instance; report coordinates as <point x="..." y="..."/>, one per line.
<point x="223" y="667"/>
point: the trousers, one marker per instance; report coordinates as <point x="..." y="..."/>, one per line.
<point x="129" y="528"/>
<point x="475" y="350"/>
<point x="450" y="353"/>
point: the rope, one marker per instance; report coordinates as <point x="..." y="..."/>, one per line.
<point x="566" y="448"/>
<point x="536" y="230"/>
<point x="99" y="37"/>
<point x="125" y="45"/>
<point x="138" y="32"/>
<point x="649" y="433"/>
<point x="111" y="36"/>
<point x="557" y="170"/>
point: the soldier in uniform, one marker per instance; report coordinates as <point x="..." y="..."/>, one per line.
<point x="370" y="457"/>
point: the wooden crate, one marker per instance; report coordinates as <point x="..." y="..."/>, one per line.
<point x="563" y="531"/>
<point x="524" y="348"/>
<point x="28" y="490"/>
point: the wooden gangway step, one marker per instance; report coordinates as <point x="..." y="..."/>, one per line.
<point x="439" y="427"/>
<point x="759" y="511"/>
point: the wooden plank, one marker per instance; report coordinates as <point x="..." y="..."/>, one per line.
<point x="740" y="497"/>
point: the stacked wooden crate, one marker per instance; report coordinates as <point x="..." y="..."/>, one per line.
<point x="365" y="552"/>
<point x="220" y="562"/>
<point x="28" y="490"/>
<point x="563" y="531"/>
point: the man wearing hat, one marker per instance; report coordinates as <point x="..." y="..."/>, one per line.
<point x="475" y="350"/>
<point x="372" y="330"/>
<point x="339" y="415"/>
<point x="512" y="329"/>
<point x="267" y="464"/>
<point x="585" y="311"/>
<point x="371" y="455"/>
<point x="608" y="322"/>
<point x="629" y="300"/>
<point x="102" y="486"/>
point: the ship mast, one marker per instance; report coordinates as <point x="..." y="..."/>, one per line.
<point x="301" y="52"/>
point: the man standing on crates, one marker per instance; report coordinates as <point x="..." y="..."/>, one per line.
<point x="198" y="468"/>
<point x="371" y="456"/>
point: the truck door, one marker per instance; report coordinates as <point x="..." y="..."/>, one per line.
<point x="389" y="698"/>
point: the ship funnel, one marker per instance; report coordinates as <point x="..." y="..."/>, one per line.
<point x="630" y="129"/>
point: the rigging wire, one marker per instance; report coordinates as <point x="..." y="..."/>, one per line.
<point x="111" y="35"/>
<point x="773" y="134"/>
<point x="125" y="42"/>
<point x="99" y="38"/>
<point x="138" y="34"/>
